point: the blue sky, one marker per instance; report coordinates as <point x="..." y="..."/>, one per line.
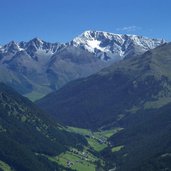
<point x="62" y="20"/>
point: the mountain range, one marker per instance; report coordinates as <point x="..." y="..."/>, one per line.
<point x="36" y="68"/>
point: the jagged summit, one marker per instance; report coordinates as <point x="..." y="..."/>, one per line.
<point x="37" y="39"/>
<point x="11" y="47"/>
<point x="36" y="42"/>
<point x="32" y="46"/>
<point x="110" y="46"/>
<point x="104" y="45"/>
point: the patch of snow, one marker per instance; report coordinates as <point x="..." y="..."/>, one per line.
<point x="113" y="45"/>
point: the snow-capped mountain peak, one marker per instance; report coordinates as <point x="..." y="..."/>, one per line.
<point x="37" y="42"/>
<point x="11" y="47"/>
<point x="109" y="46"/>
<point x="36" y="49"/>
<point x="104" y="45"/>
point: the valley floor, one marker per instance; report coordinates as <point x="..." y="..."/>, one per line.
<point x="87" y="158"/>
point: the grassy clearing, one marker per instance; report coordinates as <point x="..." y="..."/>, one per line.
<point x="105" y="133"/>
<point x="92" y="138"/>
<point x="81" y="131"/>
<point x="117" y="148"/>
<point x="97" y="140"/>
<point x="96" y="145"/>
<point x="79" y="162"/>
<point x="4" y="166"/>
<point x="33" y="96"/>
<point x="84" y="160"/>
<point x="108" y="133"/>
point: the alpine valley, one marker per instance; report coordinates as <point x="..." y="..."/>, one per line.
<point x="102" y="103"/>
<point x="133" y="95"/>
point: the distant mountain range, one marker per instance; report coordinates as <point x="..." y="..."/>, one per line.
<point x="36" y="68"/>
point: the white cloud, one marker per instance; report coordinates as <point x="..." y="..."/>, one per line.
<point x="129" y="28"/>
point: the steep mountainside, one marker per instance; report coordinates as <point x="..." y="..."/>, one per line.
<point x="145" y="140"/>
<point x="27" y="134"/>
<point x="36" y="68"/>
<point x="134" y="84"/>
<point x="71" y="63"/>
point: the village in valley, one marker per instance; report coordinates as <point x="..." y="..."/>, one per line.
<point x="83" y="158"/>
